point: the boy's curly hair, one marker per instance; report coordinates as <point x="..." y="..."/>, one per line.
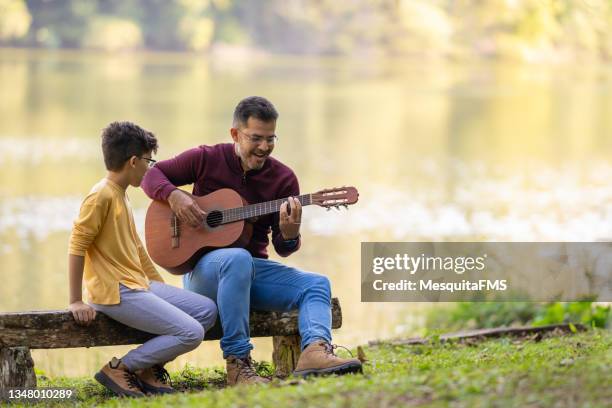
<point x="122" y="140"/>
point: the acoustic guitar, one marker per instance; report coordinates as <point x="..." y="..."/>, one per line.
<point x="177" y="247"/>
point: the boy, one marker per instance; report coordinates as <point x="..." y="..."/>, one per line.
<point x="121" y="281"/>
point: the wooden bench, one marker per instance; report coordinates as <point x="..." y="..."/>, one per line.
<point x="20" y="332"/>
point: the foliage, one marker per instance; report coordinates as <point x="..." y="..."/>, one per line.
<point x="476" y="315"/>
<point x="112" y="34"/>
<point x="14" y="20"/>
<point x="556" y="371"/>
<point x="522" y="29"/>
<point x="574" y="312"/>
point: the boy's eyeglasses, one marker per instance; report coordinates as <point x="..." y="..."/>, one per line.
<point x="150" y="162"/>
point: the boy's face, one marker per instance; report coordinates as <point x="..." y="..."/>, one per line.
<point x="137" y="167"/>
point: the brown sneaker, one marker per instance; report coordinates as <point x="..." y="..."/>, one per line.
<point x="319" y="359"/>
<point x="155" y="380"/>
<point x="241" y="371"/>
<point x="116" y="377"/>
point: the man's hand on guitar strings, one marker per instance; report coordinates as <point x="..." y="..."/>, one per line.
<point x="290" y="218"/>
<point x="186" y="209"/>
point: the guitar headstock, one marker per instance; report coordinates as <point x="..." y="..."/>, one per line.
<point x="335" y="197"/>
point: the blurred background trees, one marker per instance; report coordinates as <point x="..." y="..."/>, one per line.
<point x="518" y="29"/>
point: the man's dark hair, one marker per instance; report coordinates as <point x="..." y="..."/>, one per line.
<point x="254" y="107"/>
<point x="122" y="140"/>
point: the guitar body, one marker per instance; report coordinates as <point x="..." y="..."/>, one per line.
<point x="177" y="247"/>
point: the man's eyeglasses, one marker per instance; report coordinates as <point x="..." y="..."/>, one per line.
<point x="259" y="139"/>
<point x="150" y="162"/>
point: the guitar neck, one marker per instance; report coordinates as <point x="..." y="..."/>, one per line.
<point x="256" y="210"/>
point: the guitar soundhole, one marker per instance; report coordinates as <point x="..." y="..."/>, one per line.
<point x="214" y="218"/>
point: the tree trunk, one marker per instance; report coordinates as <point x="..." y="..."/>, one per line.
<point x="16" y="368"/>
<point x="286" y="354"/>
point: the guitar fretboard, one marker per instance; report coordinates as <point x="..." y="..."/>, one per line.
<point x="256" y="210"/>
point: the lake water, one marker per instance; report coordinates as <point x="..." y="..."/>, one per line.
<point x="438" y="151"/>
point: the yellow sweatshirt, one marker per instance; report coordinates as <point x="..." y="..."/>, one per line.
<point x="106" y="236"/>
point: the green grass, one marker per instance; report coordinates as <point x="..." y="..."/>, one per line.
<point x="572" y="370"/>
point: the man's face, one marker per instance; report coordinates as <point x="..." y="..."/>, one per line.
<point x="254" y="142"/>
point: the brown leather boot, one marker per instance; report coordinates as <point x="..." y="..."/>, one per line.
<point x="241" y="371"/>
<point x="319" y="359"/>
<point x="116" y="377"/>
<point x="155" y="380"/>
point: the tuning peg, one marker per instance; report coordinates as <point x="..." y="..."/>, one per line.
<point x="345" y="206"/>
<point x="328" y="208"/>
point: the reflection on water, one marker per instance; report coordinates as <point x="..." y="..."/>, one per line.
<point x="567" y="205"/>
<point x="438" y="152"/>
<point x="35" y="150"/>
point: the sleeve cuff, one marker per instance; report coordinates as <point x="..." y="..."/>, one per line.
<point x="166" y="191"/>
<point x="291" y="243"/>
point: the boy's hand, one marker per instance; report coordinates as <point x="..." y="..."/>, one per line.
<point x="83" y="313"/>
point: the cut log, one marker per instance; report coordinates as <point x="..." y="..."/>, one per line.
<point x="512" y="331"/>
<point x="57" y="329"/>
<point x="16" y="368"/>
<point x="286" y="354"/>
<point x="486" y="334"/>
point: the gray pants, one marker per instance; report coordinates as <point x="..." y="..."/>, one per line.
<point x="179" y="316"/>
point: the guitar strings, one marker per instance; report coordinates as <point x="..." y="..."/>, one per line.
<point x="218" y="217"/>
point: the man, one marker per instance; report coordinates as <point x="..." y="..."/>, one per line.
<point x="238" y="279"/>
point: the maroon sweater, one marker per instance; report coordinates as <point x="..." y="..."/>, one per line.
<point x="211" y="168"/>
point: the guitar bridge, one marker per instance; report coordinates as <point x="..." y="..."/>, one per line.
<point x="174" y="226"/>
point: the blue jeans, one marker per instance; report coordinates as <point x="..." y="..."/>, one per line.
<point x="236" y="282"/>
